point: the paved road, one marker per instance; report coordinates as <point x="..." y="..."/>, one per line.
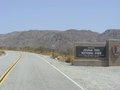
<point x="7" y="60"/>
<point x="33" y="73"/>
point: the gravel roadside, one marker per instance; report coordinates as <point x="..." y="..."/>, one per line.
<point x="90" y="77"/>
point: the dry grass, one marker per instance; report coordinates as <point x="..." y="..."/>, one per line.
<point x="69" y="58"/>
<point x="61" y="58"/>
<point x="54" y="55"/>
<point x="64" y="58"/>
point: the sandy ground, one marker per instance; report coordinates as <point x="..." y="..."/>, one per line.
<point x="90" y="77"/>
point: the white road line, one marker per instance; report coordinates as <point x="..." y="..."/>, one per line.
<point x="64" y="75"/>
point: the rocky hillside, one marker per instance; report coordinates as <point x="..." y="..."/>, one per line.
<point x="60" y="40"/>
<point x="109" y="34"/>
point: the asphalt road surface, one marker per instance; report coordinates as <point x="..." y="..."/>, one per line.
<point x="33" y="73"/>
<point x="7" y="60"/>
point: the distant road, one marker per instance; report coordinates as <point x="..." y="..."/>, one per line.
<point x="33" y="73"/>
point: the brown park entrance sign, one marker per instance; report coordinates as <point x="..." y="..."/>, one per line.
<point x="97" y="53"/>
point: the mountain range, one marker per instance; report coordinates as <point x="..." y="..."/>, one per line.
<point x="59" y="40"/>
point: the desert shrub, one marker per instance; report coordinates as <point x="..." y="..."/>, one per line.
<point x="2" y="52"/>
<point x="54" y="55"/>
<point x="69" y="58"/>
<point x="61" y="58"/>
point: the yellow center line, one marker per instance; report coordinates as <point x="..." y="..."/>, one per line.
<point x="7" y="72"/>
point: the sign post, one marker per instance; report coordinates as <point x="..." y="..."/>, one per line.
<point x="53" y="51"/>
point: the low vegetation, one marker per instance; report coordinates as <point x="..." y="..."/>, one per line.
<point x="66" y="56"/>
<point x="2" y="52"/>
<point x="63" y="56"/>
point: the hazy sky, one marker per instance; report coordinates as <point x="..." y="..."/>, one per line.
<point x="96" y="15"/>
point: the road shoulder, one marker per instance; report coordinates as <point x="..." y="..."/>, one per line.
<point x="89" y="77"/>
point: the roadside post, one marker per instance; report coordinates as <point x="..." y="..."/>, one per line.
<point x="53" y="50"/>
